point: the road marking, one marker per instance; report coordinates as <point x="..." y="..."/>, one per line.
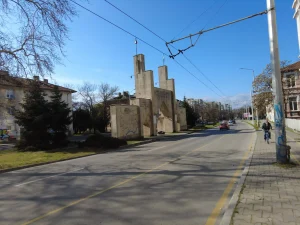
<point x="112" y="187"/>
<point x="220" y="204"/>
<point x="56" y="175"/>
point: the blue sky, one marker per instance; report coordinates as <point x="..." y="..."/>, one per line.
<point x="98" y="52"/>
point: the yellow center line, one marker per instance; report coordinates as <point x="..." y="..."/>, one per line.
<point x="112" y="187"/>
<point x="220" y="204"/>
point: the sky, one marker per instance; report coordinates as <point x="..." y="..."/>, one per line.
<point x="98" y="52"/>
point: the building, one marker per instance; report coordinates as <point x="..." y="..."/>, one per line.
<point x="12" y="90"/>
<point x="153" y="109"/>
<point x="291" y="90"/>
<point x="296" y="6"/>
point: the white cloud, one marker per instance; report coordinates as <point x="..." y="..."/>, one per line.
<point x="236" y="101"/>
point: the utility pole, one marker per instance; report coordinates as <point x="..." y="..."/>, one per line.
<point x="282" y="150"/>
<point x="252" y="107"/>
<point x="252" y="96"/>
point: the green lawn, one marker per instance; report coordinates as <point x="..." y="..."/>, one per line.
<point x="14" y="158"/>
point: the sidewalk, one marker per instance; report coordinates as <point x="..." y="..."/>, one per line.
<point x="271" y="192"/>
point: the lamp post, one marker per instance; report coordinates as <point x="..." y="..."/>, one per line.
<point x="252" y="97"/>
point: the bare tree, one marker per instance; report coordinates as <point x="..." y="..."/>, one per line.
<point x="106" y="92"/>
<point x="262" y="86"/>
<point x="32" y="35"/>
<point x="89" y="95"/>
<point x="95" y="98"/>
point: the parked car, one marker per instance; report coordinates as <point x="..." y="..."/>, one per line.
<point x="230" y="123"/>
<point x="224" y="126"/>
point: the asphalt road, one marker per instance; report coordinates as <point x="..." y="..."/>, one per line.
<point x="184" y="181"/>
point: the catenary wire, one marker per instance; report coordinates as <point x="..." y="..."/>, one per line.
<point x="195" y="19"/>
<point x="171" y="45"/>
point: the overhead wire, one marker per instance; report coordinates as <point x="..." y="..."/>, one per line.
<point x="142" y="41"/>
<point x="195" y="19"/>
<point x="173" y="47"/>
<point x="118" y="27"/>
<point x="217" y="12"/>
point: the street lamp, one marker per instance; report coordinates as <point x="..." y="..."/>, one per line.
<point x="252" y="97"/>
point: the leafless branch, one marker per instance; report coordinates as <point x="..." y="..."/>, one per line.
<point x="32" y="35"/>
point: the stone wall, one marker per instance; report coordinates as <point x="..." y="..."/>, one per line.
<point x="146" y="116"/>
<point x="157" y="108"/>
<point x="125" y="121"/>
<point x="182" y="118"/>
<point x="163" y="108"/>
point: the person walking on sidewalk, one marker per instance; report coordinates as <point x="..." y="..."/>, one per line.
<point x="266" y="127"/>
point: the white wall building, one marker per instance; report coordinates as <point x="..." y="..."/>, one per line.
<point x="12" y="92"/>
<point x="296" y="6"/>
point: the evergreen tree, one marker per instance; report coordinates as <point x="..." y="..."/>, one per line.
<point x="60" y="117"/>
<point x="191" y="115"/>
<point x="81" y="120"/>
<point x="34" y="117"/>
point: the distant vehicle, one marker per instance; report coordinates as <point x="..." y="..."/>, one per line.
<point x="224" y="126"/>
<point x="230" y="123"/>
<point x="233" y="121"/>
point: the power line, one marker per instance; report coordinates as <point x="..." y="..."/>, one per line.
<point x="142" y="41"/>
<point x="210" y="29"/>
<point x="213" y="17"/>
<point x="195" y="19"/>
<point x="135" y="20"/>
<point x="203" y="74"/>
<point x="118" y="27"/>
<point x="171" y="45"/>
<point x="196" y="77"/>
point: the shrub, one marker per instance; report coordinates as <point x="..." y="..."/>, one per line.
<point x="100" y="141"/>
<point x="59" y="139"/>
<point x="30" y="149"/>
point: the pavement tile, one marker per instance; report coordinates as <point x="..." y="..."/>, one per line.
<point x="262" y="208"/>
<point x="241" y="222"/>
<point x="272" y="193"/>
<point x="246" y="206"/>
<point x="297" y="213"/>
<point x="277" y="216"/>
<point x="256" y="219"/>
<point x="245" y="218"/>
<point x="257" y="213"/>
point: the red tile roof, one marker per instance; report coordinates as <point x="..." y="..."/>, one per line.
<point x="292" y="67"/>
<point x="7" y="80"/>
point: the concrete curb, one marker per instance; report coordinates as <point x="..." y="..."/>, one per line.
<point x="226" y="219"/>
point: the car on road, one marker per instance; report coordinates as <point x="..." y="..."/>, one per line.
<point x="230" y="123"/>
<point x="224" y="126"/>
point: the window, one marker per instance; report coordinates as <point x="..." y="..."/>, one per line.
<point x="10" y="94"/>
<point x="290" y="80"/>
<point x="11" y="110"/>
<point x="293" y="103"/>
